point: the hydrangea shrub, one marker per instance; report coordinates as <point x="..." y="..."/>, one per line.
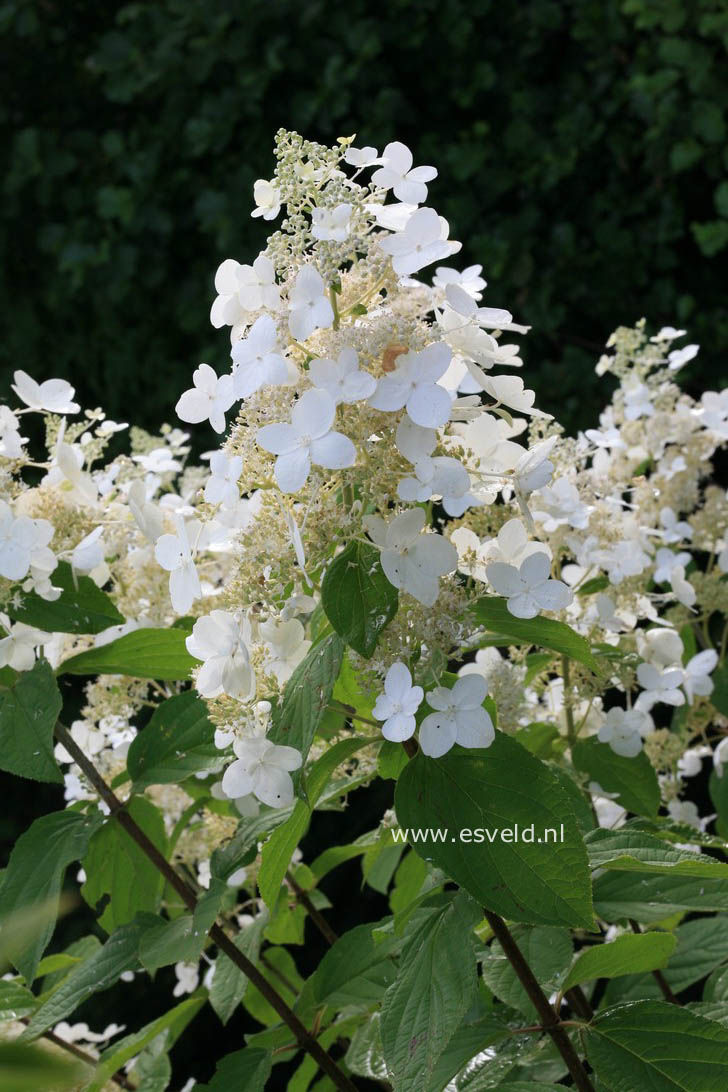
<point x="394" y="566"/>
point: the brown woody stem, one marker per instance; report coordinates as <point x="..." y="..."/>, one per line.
<point x="549" y="1019"/>
<point x="316" y="917"/>
<point x="117" y="809"/>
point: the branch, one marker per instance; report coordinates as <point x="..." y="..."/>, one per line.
<point x="549" y="1019"/>
<point x="316" y="917"/>
<point x="118" y="811"/>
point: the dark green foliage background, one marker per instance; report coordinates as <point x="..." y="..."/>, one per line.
<point x="581" y="148"/>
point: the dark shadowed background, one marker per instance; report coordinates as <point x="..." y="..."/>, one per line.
<point x="582" y="156"/>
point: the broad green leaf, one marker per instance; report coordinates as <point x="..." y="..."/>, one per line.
<point x="655" y="1045"/>
<point x="32" y="881"/>
<point x="546" y="949"/>
<point x="229" y="984"/>
<point x="306" y="696"/>
<point x="227" y="859"/>
<point x="719" y="694"/>
<point x="492" y="791"/>
<point x="144" y="653"/>
<point x="633" y="851"/>
<point x="528" y="1086"/>
<point x="391" y="760"/>
<point x="435" y="987"/>
<point x="172" y="1022"/>
<point x="152" y="1070"/>
<point x="649" y="898"/>
<point x="357" y="969"/>
<point x="716" y="988"/>
<point x="116" y="866"/>
<point x="25" y="1067"/>
<point x="98" y="972"/>
<point x="166" y="942"/>
<point x="81" y="607"/>
<point x="279" y="967"/>
<point x="76" y="952"/>
<point x="408" y="881"/>
<point x="479" y="1031"/>
<point x="318" y="776"/>
<point x="28" y="714"/>
<point x="632" y="779"/>
<point x="624" y="955"/>
<point x="364" y="1056"/>
<point x="278" y="850"/>
<point x="579" y="802"/>
<point x="702" y="945"/>
<point x="59" y="963"/>
<point x="710" y="1010"/>
<point x="178" y="741"/>
<point x="358" y="599"/>
<point x="16" y="1000"/>
<point x="538" y="738"/>
<point x="492" y="613"/>
<point x="247" y="1070"/>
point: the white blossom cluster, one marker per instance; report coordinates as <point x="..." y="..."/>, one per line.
<point x="365" y="404"/>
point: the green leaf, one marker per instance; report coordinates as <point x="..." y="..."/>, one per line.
<point x="178" y="741"/>
<point x="16" y="1001"/>
<point x="711" y="1010"/>
<point x="278" y="850"/>
<point x="145" y="654"/>
<point x="32" y="881"/>
<point x="649" y="898"/>
<point x="247" y="1070"/>
<point x="538" y="738"/>
<point x="116" y="866"/>
<point x="633" y="851"/>
<point x="101" y="970"/>
<point x="624" y="955"/>
<point x="358" y="599"/>
<point x="28" y="715"/>
<point x="280" y="967"/>
<point x="479" y="1031"/>
<point x="655" y="1045"/>
<point x="81" y="607"/>
<point x="318" y="776"/>
<point x="633" y="779"/>
<point x="491" y="791"/>
<point x="546" y="949"/>
<point x="702" y="945"/>
<point x="229" y="984"/>
<point x="28" y="1068"/>
<point x="173" y="1023"/>
<point x="226" y="859"/>
<point x="307" y="693"/>
<point x="719" y="693"/>
<point x="357" y="969"/>
<point x="434" y="988"/>
<point x="492" y="613"/>
<point x="596" y="584"/>
<point x="364" y="1056"/>
<point x="528" y="1086"/>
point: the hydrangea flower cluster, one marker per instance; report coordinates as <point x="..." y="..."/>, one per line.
<point x="372" y="400"/>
